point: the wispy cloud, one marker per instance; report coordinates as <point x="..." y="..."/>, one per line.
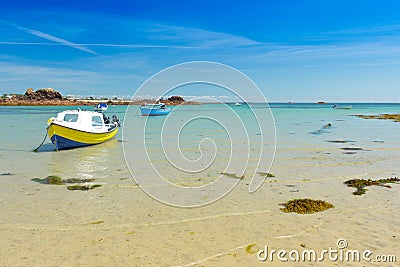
<point x="195" y="37"/>
<point x="49" y="37"/>
<point x="99" y="45"/>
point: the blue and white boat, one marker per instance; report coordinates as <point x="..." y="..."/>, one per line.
<point x="154" y="110"/>
<point x="101" y="107"/>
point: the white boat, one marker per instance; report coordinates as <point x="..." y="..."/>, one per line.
<point x="76" y="128"/>
<point x="101" y="107"/>
<point x="237" y="104"/>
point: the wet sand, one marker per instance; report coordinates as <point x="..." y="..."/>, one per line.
<point x="119" y="224"/>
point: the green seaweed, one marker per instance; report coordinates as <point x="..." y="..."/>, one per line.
<point x="84" y="187"/>
<point x="266" y="174"/>
<point x="306" y="206"/>
<point x="56" y="180"/>
<point x="392" y="117"/>
<point x="51" y="179"/>
<point x="360" y="184"/>
<point x="97" y="222"/>
<point x="249" y="249"/>
<point x="77" y="180"/>
<point x="38" y="180"/>
<point x="233" y="175"/>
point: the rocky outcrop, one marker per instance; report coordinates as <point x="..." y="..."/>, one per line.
<point x="43" y="94"/>
<point x="176" y="99"/>
<point x="42" y="97"/>
<point x="51" y="97"/>
<point x="30" y="92"/>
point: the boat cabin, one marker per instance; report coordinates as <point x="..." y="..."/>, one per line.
<point x="88" y="121"/>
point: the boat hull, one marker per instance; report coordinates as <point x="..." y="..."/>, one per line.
<point x="66" y="138"/>
<point x="154" y="112"/>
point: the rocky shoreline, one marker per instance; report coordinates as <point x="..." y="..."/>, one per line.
<point x="51" y="97"/>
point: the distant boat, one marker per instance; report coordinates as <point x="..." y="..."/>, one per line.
<point x="154" y="110"/>
<point x="342" y="107"/>
<point x="76" y="128"/>
<point x="101" y="107"/>
<point x="237" y="104"/>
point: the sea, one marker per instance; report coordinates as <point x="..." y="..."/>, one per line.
<point x="195" y="183"/>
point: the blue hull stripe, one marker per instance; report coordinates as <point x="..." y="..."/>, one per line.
<point x="64" y="143"/>
<point x="154" y="112"/>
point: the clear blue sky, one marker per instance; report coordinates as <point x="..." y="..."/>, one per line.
<point x="294" y="50"/>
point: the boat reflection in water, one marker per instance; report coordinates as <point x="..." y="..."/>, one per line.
<point x="87" y="162"/>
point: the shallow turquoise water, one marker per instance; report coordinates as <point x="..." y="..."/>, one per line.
<point x="299" y="128"/>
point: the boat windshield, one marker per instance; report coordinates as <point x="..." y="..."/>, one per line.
<point x="97" y="121"/>
<point x="71" y="117"/>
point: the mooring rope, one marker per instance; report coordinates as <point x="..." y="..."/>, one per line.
<point x="36" y="149"/>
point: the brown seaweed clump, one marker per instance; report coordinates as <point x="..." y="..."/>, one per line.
<point x="360" y="184"/>
<point x="393" y="117"/>
<point x="84" y="187"/>
<point x="306" y="206"/>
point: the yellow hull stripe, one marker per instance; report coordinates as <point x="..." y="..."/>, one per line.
<point x="80" y="136"/>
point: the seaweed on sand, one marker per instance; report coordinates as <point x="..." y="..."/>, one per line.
<point x="57" y="180"/>
<point x="233" y="175"/>
<point x="393" y="117"/>
<point x="78" y="181"/>
<point x="51" y="179"/>
<point x="249" y="248"/>
<point x="306" y="206"/>
<point x="266" y="174"/>
<point x="84" y="187"/>
<point x="360" y="184"/>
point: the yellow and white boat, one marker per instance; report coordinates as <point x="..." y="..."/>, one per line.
<point x="76" y="128"/>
